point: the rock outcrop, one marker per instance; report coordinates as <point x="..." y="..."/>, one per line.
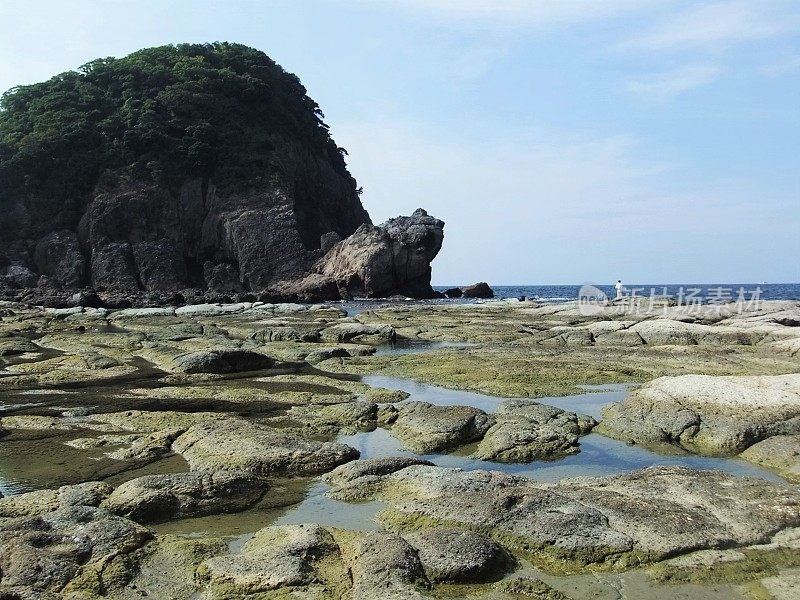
<point x="526" y="431"/>
<point x="242" y="445"/>
<point x="705" y="414"/>
<point x="619" y="521"/>
<point x="242" y="193"/>
<point x="479" y="290"/>
<point x="426" y="428"/>
<point x="393" y="258"/>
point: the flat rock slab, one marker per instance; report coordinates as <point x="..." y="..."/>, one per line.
<point x="372" y="466"/>
<point x="242" y="445"/>
<point x="526" y="431"/>
<point x="299" y="558"/>
<point x="618" y="521"/>
<point x="359" y="332"/>
<point x="42" y="555"/>
<point x="779" y="453"/>
<point x="426" y="428"/>
<point x="222" y="361"/>
<point x="458" y="556"/>
<point x="39" y="502"/>
<point x="157" y="498"/>
<point x="706" y="414"/>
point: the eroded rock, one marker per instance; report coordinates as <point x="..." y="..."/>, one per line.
<point x="618" y="521"/>
<point x="242" y="445"/>
<point x="706" y="414"/>
<point x="426" y="428"/>
<point x="156" y="498"/>
<point x="526" y="431"/>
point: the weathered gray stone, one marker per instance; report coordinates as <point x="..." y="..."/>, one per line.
<point x="300" y="559"/>
<point x="242" y="445"/>
<point x="156" y="498"/>
<point x="780" y="453"/>
<point x="372" y="466"/>
<point x="526" y="431"/>
<point x="359" y="332"/>
<point x="459" y="556"/>
<point x="385" y="566"/>
<point x="706" y="414"/>
<point x="426" y="428"/>
<point x="617" y="521"/>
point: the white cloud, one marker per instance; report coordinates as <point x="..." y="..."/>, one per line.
<point x="781" y="67"/>
<point x="547" y="207"/>
<point x="716" y="26"/>
<point x="517" y="12"/>
<point x="663" y="87"/>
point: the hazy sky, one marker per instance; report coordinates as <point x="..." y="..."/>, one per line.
<point x="562" y="141"/>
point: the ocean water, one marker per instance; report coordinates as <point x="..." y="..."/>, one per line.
<point x="562" y="293"/>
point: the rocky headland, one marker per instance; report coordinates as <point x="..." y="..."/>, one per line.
<point x="189" y="173"/>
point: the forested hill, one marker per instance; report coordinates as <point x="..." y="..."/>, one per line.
<point x="195" y="156"/>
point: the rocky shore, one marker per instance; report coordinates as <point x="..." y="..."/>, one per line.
<point x="244" y="450"/>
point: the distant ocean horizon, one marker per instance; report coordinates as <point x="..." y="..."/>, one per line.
<point x="564" y="293"/>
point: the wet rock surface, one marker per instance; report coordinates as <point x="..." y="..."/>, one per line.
<point x="155" y="498"/>
<point x="425" y="428"/>
<point x="620" y="521"/>
<point x="707" y="415"/>
<point x="526" y="431"/>
<point x="258" y="449"/>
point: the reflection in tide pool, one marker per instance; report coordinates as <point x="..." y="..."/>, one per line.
<point x="599" y="455"/>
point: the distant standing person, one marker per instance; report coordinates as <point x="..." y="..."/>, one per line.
<point x="620" y="288"/>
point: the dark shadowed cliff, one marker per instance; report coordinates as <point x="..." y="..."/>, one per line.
<point x="196" y="171"/>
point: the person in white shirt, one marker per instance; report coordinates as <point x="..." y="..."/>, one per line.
<point x="620" y="288"/>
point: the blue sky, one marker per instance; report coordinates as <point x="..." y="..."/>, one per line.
<point x="562" y="141"/>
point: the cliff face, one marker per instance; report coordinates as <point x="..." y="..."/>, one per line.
<point x="199" y="169"/>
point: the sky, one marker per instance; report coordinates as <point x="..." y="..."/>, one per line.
<point x="562" y="141"/>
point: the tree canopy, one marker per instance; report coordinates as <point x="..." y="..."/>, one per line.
<point x="218" y="110"/>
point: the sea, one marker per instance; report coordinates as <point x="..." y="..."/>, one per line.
<point x="563" y="293"/>
<point x="703" y="293"/>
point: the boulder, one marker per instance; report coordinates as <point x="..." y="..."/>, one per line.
<point x="67" y="550"/>
<point x="40" y="502"/>
<point x="243" y="445"/>
<point x="58" y="256"/>
<point x="526" y="431"/>
<point x="301" y="560"/>
<point x="359" y="333"/>
<point x="334" y="417"/>
<point x="19" y="276"/>
<point x="453" y="292"/>
<point x="386" y="260"/>
<point x="114" y="267"/>
<point x="426" y="428"/>
<point x="459" y="556"/>
<point x="707" y="414"/>
<point x="779" y="453"/>
<point x="384" y="565"/>
<point x="371" y="466"/>
<point x="222" y="361"/>
<point x="157" y="498"/>
<point x="478" y="290"/>
<point x="285" y="333"/>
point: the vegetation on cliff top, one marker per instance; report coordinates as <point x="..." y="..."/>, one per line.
<point x="221" y="110"/>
